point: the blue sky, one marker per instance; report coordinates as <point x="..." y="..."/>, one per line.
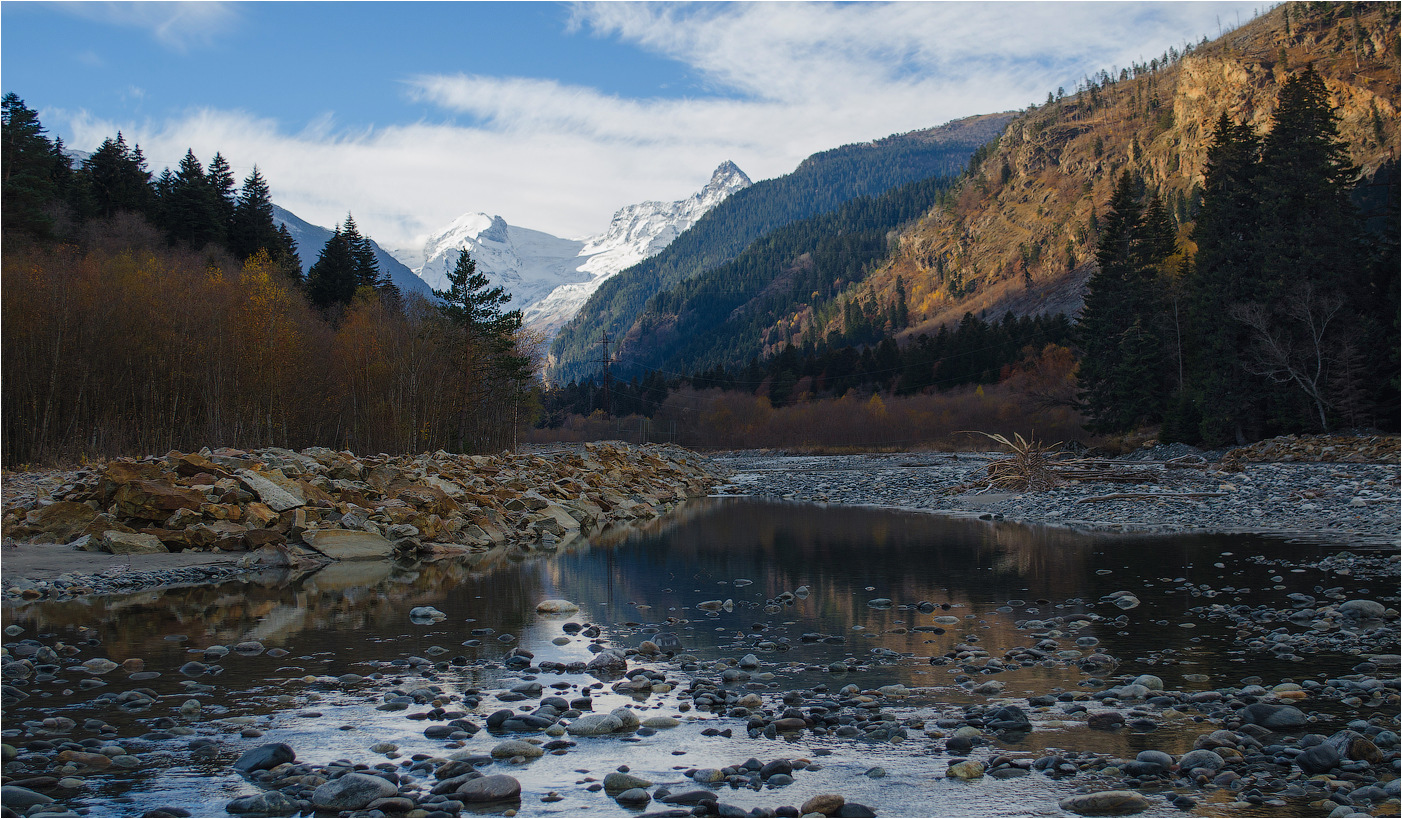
<point x="551" y="115"/>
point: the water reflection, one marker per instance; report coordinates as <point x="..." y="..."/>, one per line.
<point x="645" y="575"/>
<point x="638" y="582"/>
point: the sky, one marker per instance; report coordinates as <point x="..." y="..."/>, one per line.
<point x="553" y="116"/>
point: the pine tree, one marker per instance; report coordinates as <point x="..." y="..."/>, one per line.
<point x="474" y="306"/>
<point x="191" y="209"/>
<point x="1310" y="226"/>
<point x="367" y="268"/>
<point x="115" y="179"/>
<point x="1122" y="385"/>
<point x="221" y="187"/>
<point x="331" y="281"/>
<point x="35" y="170"/>
<point x="1226" y="271"/>
<point x="251" y="227"/>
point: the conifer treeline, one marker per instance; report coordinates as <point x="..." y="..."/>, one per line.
<point x="140" y="317"/>
<point x="1285" y="320"/>
<point x="972" y="352"/>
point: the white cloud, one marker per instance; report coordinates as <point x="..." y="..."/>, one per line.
<point x="179" y="26"/>
<point x="781" y="80"/>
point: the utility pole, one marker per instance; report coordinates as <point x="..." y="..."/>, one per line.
<point x="604" y="359"/>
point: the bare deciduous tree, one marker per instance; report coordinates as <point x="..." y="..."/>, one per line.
<point x="1290" y="346"/>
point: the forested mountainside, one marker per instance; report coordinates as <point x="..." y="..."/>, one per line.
<point x="820" y="184"/>
<point x="1022" y="232"/>
<point x="726" y="316"/>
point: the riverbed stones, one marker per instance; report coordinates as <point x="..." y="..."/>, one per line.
<point x="1104" y="803"/>
<point x="352" y="792"/>
<point x="154" y="501"/>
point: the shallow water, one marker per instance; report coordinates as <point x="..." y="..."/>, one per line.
<point x="354" y="618"/>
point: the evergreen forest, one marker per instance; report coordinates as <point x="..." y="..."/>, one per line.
<point x="1285" y="320"/>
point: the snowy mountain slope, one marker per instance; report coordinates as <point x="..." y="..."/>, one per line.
<point x="549" y="278"/>
<point x="311" y="239"/>
<point x="528" y="263"/>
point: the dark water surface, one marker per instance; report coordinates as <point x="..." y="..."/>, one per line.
<point x="354" y="618"/>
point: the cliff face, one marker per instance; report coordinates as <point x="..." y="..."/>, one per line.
<point x="1021" y="234"/>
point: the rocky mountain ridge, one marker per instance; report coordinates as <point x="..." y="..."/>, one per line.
<point x="1020" y="235"/>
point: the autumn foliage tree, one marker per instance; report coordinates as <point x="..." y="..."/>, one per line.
<point x="124" y="333"/>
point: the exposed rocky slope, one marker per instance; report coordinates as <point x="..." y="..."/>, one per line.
<point x="1020" y="237"/>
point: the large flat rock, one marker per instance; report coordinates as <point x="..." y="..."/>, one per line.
<point x="346" y="544"/>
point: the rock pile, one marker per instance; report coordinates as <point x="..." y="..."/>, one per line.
<point x="1352" y="449"/>
<point x="288" y="508"/>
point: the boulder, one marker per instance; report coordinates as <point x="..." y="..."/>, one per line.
<point x="608" y="662"/>
<point x="65" y="520"/>
<point x="1274" y="717"/>
<point x="352" y="792"/>
<point x="1362" y="609"/>
<point x="1318" y="759"/>
<point x="131" y="543"/>
<point x="264" y="757"/>
<point x="152" y="500"/>
<point x="1201" y="758"/>
<point x="513" y="748"/>
<point x="1008" y="718"/>
<point x="343" y="544"/>
<point x="224" y="535"/>
<point x="828" y="804"/>
<point x="267" y="803"/>
<point x="617" y="782"/>
<point x="269" y="492"/>
<point x="593" y="725"/>
<point x="495" y="788"/>
<point x="556" y="606"/>
<point x="22" y="799"/>
<point x="968" y="769"/>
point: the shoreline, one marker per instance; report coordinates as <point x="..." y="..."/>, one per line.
<point x="1336" y="503"/>
<point x="1353" y="504"/>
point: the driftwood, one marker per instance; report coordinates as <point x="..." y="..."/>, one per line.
<point x="1152" y="496"/>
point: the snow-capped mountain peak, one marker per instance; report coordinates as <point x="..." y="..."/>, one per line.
<point x="550" y="278"/>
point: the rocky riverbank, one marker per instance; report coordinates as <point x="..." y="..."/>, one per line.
<point x="1333" y="488"/>
<point x="198" y="517"/>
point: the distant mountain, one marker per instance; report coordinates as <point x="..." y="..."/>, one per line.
<point x="549" y="277"/>
<point x="311" y="239"/>
<point x="821" y="183"/>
